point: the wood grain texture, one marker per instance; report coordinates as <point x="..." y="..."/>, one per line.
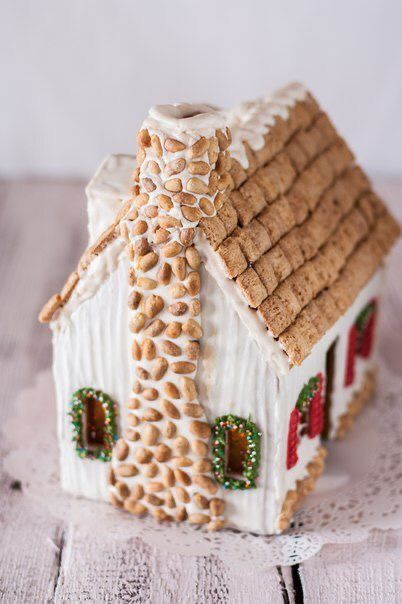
<point x="29" y="548"/>
<point x="42" y="235"/>
<point x="369" y="572"/>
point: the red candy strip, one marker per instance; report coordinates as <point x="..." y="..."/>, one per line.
<point x="368" y="337"/>
<point x="293" y="439"/>
<point x="316" y="415"/>
<point x="351" y="356"/>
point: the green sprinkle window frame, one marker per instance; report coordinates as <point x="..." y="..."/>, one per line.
<point x="77" y="413"/>
<point x="251" y="462"/>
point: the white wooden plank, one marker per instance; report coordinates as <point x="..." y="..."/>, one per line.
<point x="256" y="587"/>
<point x="174" y="578"/>
<point x="94" y="570"/>
<point x="102" y="570"/>
<point x="29" y="549"/>
<point x="29" y="538"/>
<point x="361" y="573"/>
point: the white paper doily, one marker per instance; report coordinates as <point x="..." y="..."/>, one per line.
<point x="360" y="490"/>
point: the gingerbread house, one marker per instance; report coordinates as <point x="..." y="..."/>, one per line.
<point x="222" y="326"/>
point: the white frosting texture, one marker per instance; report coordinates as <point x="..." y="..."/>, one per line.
<point x="91" y="279"/>
<point x="233" y="377"/>
<point x="269" y="348"/>
<point x="92" y="352"/>
<point x="109" y="187"/>
<point x="250" y="121"/>
<point x="190" y="120"/>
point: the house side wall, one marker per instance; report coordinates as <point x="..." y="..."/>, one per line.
<point x="291" y="385"/>
<point x="91" y="349"/>
<point x="234" y="378"/>
<point x="342" y="395"/>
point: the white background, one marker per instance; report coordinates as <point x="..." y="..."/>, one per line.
<point x="78" y="76"/>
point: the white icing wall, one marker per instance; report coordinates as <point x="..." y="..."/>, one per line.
<point x="234" y="378"/>
<point x="269" y="348"/>
<point x="92" y="349"/>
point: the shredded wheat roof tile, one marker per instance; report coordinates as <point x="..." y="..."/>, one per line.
<point x="324" y="231"/>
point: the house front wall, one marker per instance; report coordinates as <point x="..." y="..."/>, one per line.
<point x="233" y="377"/>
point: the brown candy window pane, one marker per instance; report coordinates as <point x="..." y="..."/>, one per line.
<point x="236" y="451"/>
<point x="94" y="423"/>
<point x="93" y="418"/>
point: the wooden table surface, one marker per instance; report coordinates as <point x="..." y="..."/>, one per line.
<point x="42" y="234"/>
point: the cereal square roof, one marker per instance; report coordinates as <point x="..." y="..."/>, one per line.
<point x="302" y="231"/>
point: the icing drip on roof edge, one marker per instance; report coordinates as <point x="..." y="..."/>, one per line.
<point x="248" y="122"/>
